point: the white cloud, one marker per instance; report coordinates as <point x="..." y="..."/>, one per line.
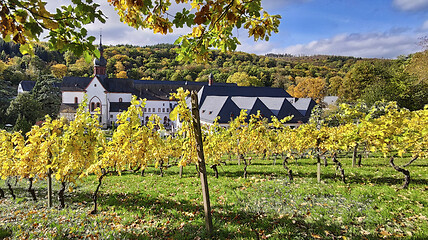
<point x="411" y="5"/>
<point x="367" y="45"/>
<point x="275" y="4"/>
<point x="260" y="47"/>
<point x="425" y="25"/>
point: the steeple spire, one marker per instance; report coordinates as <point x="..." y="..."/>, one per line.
<point x="100" y="48"/>
<point x="101" y="63"/>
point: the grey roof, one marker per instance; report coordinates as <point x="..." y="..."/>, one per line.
<point x="216" y="90"/>
<point x="150" y="89"/>
<point x="27" y="85"/>
<point x="273" y="103"/>
<point x="260" y="106"/>
<point x="227" y="107"/>
<point x="219" y="106"/>
<point x="304" y="106"/>
<point x="75" y="83"/>
<point x="211" y="109"/>
<point x="330" y="99"/>
<point x="244" y="102"/>
<point x="287" y="109"/>
<point x="119" y="106"/>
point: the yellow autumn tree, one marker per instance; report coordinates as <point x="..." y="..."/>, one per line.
<point x="308" y="87"/>
<point x="243" y="79"/>
<point x="59" y="70"/>
<point x="121" y="74"/>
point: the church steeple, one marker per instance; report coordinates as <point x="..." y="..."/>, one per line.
<point x="101" y="63"/>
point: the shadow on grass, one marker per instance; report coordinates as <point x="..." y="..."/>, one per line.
<point x="187" y="220"/>
<point x="364" y="178"/>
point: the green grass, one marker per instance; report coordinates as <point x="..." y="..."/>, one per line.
<point x="265" y="205"/>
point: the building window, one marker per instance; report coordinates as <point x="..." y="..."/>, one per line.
<point x="163" y="109"/>
<point x="154" y="109"/>
<point x="98" y="105"/>
<point x="159" y="110"/>
<point x="111" y="116"/>
<point x="144" y="109"/>
<point x="92" y="106"/>
<point x="148" y="109"/>
<point x="95" y="85"/>
<point x="76" y="100"/>
<point x="167" y="110"/>
<point x="120" y="99"/>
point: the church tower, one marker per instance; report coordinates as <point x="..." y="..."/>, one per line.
<point x="101" y="63"/>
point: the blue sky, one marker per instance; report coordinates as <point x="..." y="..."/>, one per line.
<point x="360" y="28"/>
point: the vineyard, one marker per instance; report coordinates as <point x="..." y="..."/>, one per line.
<point x="76" y="158"/>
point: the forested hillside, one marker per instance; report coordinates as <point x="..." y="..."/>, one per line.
<point x="403" y="80"/>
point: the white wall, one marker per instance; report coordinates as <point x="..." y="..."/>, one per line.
<point x="114" y="97"/>
<point x="97" y="93"/>
<point x="20" y="90"/>
<point x="68" y="97"/>
<point x="158" y="107"/>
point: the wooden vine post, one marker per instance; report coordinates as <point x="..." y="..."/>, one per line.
<point x="49" y="188"/>
<point x="196" y="123"/>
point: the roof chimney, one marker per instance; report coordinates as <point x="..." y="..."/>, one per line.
<point x="210" y="79"/>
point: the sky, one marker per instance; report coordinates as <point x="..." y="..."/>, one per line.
<point x="359" y="28"/>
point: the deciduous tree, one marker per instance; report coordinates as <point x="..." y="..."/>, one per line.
<point x="211" y="23"/>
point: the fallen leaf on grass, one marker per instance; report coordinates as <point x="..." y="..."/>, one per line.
<point x="316" y="236"/>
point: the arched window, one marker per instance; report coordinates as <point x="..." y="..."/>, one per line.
<point x="98" y="105"/>
<point x="120" y="100"/>
<point x="92" y="106"/>
<point x="76" y="100"/>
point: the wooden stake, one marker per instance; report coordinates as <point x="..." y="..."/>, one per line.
<point x="196" y="122"/>
<point x="49" y="188"/>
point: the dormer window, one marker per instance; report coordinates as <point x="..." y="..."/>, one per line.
<point x="120" y="99"/>
<point x="76" y="100"/>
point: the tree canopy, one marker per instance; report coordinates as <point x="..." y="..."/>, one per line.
<point x="211" y="23"/>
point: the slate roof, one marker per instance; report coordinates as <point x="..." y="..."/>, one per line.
<point x="269" y="101"/>
<point x="227" y="107"/>
<point x="216" y="90"/>
<point x="75" y="83"/>
<point x="304" y="106"/>
<point x="27" y="85"/>
<point x="119" y="106"/>
<point x="219" y="106"/>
